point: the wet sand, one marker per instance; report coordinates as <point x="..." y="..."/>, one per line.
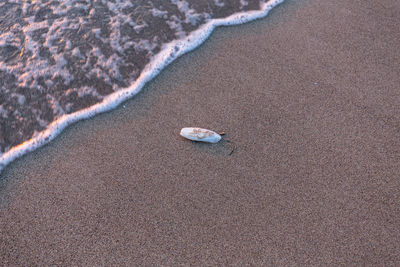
<point x="310" y="95"/>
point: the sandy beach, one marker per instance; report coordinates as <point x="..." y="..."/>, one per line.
<point x="310" y="96"/>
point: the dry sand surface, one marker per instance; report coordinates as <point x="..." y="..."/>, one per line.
<point x="311" y="97"/>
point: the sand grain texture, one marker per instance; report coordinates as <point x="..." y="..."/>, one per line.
<point x="310" y="96"/>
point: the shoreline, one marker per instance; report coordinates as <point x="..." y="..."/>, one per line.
<point x="309" y="96"/>
<point x="169" y="53"/>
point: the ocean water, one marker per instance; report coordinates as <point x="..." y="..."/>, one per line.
<point x="66" y="60"/>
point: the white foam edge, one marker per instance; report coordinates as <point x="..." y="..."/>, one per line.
<point x="153" y="68"/>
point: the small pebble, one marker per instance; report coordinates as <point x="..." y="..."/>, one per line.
<point x="200" y="135"/>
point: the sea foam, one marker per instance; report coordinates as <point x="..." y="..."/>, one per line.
<point x="168" y="53"/>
